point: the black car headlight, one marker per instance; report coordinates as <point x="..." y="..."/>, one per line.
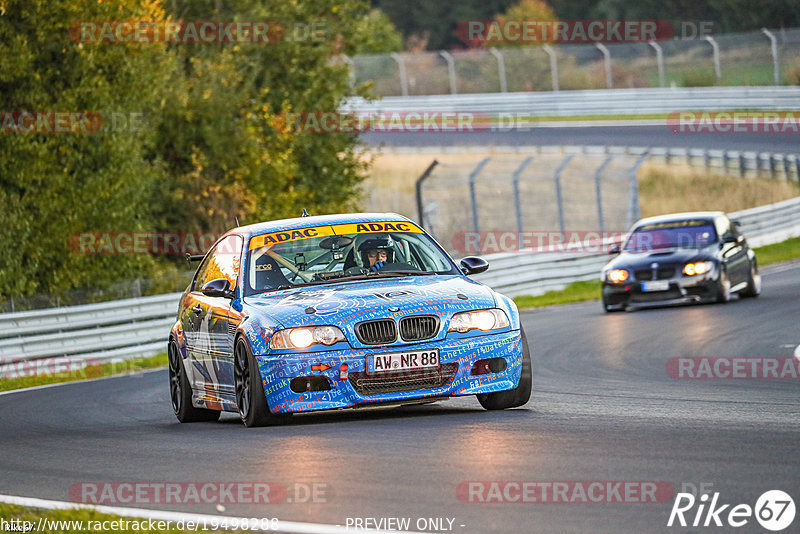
<point x="484" y="320"/>
<point x="698" y="267"/>
<point x="617" y="275"/>
<point x="304" y="336"/>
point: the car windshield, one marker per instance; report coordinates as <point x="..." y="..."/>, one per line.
<point x="674" y="234"/>
<point x="327" y="254"/>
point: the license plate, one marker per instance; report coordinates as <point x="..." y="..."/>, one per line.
<point x="656" y="285"/>
<point x="401" y="361"/>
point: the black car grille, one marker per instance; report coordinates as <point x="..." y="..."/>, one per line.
<point x="379" y="383"/>
<point x="418" y="327"/>
<point x="662" y="273"/>
<point x="376" y="332"/>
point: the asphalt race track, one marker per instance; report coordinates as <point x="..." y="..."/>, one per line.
<point x="603" y="409"/>
<point x="652" y="136"/>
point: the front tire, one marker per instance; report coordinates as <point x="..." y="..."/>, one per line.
<point x="753" y="289"/>
<point x="611" y="309"/>
<point x="250" y="397"/>
<point x="180" y="391"/>
<point x="723" y="287"/>
<point x="518" y="396"/>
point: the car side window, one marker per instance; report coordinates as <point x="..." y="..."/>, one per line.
<point x="222" y="262"/>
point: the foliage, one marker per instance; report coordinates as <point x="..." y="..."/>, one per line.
<point x="214" y="146"/>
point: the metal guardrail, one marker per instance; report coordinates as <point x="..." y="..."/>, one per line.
<point x="534" y="274"/>
<point x="139" y="327"/>
<point x="94" y="332"/>
<point x="590" y="102"/>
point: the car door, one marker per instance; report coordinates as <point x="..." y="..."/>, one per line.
<point x="209" y="321"/>
<point x="734" y="253"/>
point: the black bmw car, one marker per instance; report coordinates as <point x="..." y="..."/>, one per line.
<point x="682" y="257"/>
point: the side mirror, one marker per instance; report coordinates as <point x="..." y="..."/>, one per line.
<point x="730" y="238"/>
<point x="473" y="265"/>
<point x="219" y="287"/>
<point x="737" y="224"/>
<point x="614" y="249"/>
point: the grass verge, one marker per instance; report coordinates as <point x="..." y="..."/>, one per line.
<point x="82" y="520"/>
<point x="46" y="376"/>
<point x="590" y="290"/>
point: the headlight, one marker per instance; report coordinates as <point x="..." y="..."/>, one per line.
<point x="617" y="275"/>
<point x="304" y="336"/>
<point x="478" y="320"/>
<point x="699" y="267"/>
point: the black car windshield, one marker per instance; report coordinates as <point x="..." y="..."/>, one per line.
<point x="674" y="234"/>
<point x="328" y="254"/>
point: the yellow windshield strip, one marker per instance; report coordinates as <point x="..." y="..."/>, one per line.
<point x="337" y="229"/>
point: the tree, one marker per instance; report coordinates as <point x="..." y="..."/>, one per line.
<point x="54" y="185"/>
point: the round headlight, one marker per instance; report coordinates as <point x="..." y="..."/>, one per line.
<point x="301" y="337"/>
<point x="483" y="320"/>
<point x="326" y="335"/>
<point x="618" y="275"/>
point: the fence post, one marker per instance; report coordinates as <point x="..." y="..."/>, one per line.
<point x="351" y="67"/>
<point x="715" y="49"/>
<point x="553" y="65"/>
<point x="517" y="204"/>
<point x="607" y="62"/>
<point x="598" y="190"/>
<point x="501" y="69"/>
<point x="776" y="68"/>
<point x="451" y="69"/>
<point x="473" y="197"/>
<point x="634" y="210"/>
<point x="659" y="61"/>
<point x="559" y="198"/>
<point x="418" y="189"/>
<point x="401" y="67"/>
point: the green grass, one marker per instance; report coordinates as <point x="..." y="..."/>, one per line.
<point x="88" y="517"/>
<point x="590" y="290"/>
<point x="575" y="292"/>
<point x="786" y="250"/>
<point x="93" y="371"/>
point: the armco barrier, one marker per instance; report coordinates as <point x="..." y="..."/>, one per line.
<point x="592" y="102"/>
<point x="98" y="332"/>
<point x="139" y="327"/>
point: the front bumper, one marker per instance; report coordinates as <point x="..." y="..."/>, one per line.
<point x="681" y="289"/>
<point x="458" y="355"/>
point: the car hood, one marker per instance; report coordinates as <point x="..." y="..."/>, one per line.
<point x="342" y="302"/>
<point x="671" y="256"/>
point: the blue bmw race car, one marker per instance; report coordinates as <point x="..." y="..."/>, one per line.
<point x="340" y="311"/>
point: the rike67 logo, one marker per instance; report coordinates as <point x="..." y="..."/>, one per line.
<point x="774" y="510"/>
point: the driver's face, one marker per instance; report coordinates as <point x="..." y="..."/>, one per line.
<point x="375" y="256"/>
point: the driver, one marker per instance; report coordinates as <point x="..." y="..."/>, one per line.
<point x="376" y="252"/>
